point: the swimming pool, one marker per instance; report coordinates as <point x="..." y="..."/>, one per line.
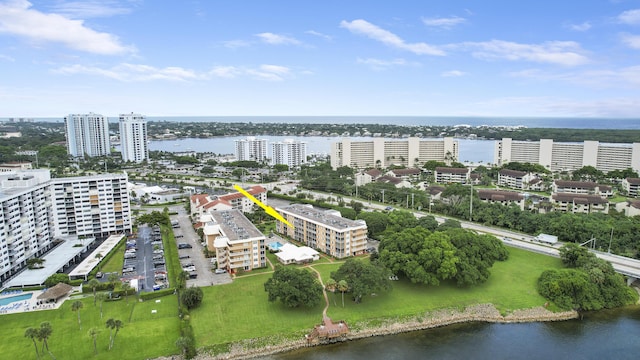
<point x="12" y="299"/>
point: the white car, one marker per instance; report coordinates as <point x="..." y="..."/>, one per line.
<point x="220" y="271"/>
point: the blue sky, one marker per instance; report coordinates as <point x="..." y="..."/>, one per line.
<point x="330" y="57"/>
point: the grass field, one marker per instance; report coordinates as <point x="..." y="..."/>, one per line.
<point x="240" y="310"/>
<point x="144" y="335"/>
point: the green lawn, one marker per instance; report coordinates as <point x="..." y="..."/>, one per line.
<point x="114" y="264"/>
<point x="144" y="335"/>
<point x="240" y="310"/>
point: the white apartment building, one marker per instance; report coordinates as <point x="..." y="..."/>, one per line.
<point x="289" y="152"/>
<point x="35" y="209"/>
<point x="87" y="134"/>
<point x="133" y="138"/>
<point x="324" y="230"/>
<point x="238" y="244"/>
<point x="558" y="156"/>
<point x="95" y="205"/>
<point x="631" y="186"/>
<point x="251" y="149"/>
<point x="26" y="223"/>
<point x="514" y="179"/>
<point x="446" y="175"/>
<point x="380" y="152"/>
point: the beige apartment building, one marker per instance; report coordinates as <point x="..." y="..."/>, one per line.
<point x="324" y="230"/>
<point x="562" y="156"/>
<point x="381" y="152"/>
<point x="238" y="244"/>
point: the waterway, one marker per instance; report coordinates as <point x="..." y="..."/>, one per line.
<point x="612" y="334"/>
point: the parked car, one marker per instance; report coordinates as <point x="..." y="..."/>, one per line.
<point x="193" y="275"/>
<point x="99" y="274"/>
<point x="220" y="271"/>
<point x="182" y="257"/>
<point x="184" y="246"/>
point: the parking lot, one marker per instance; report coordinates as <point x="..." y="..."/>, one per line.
<point x="144" y="260"/>
<point x="192" y="258"/>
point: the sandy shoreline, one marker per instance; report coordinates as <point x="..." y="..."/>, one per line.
<point x="475" y="313"/>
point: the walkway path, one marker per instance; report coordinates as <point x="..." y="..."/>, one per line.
<point x="324" y="292"/>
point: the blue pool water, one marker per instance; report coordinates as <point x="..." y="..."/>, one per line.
<point x="9" y="300"/>
<point x="275" y="245"/>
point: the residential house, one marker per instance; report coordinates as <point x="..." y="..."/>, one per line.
<point x="203" y="203"/>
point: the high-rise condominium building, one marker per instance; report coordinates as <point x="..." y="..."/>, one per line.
<point x="251" y="149"/>
<point x="564" y="156"/>
<point x="380" y="152"/>
<point x="87" y="134"/>
<point x="35" y="210"/>
<point x="289" y="152"/>
<point x="95" y="205"/>
<point x="133" y="137"/>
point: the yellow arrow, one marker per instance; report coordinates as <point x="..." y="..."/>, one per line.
<point x="268" y="209"/>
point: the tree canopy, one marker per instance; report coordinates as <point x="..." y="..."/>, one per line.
<point x="294" y="287"/>
<point x="363" y="277"/>
<point x="191" y="297"/>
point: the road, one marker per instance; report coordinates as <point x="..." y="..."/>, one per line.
<point x="623" y="265"/>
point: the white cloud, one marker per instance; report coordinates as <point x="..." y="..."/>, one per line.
<point x="566" y="53"/>
<point x="627" y="77"/>
<point x="90" y="8"/>
<point x="631" y="17"/>
<point x="378" y="64"/>
<point x="7" y="58"/>
<point x="138" y="72"/>
<point x="318" y="34"/>
<point x="442" y="22"/>
<point x="388" y="38"/>
<point x="580" y="27"/>
<point x="275" y="39"/>
<point x="453" y="73"/>
<point x="132" y="72"/>
<point x="632" y="41"/>
<point x="18" y="18"/>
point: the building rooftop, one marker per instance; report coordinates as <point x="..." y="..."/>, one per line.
<point x="576" y="184"/>
<point x="235" y="226"/>
<point x="448" y="170"/>
<point x="329" y="218"/>
<point x="512" y="173"/>
<point x="579" y="198"/>
<point x="499" y="195"/>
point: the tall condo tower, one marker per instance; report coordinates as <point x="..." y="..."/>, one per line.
<point x="289" y="152"/>
<point x="133" y="137"/>
<point x="87" y="134"/>
<point x="251" y="149"/>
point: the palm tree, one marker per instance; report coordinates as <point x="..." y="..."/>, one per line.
<point x="32" y="333"/>
<point x="126" y="287"/>
<point x="44" y="333"/>
<point x="331" y="286"/>
<point x="117" y="324"/>
<point x="110" y="325"/>
<point x="76" y="306"/>
<point x="113" y="279"/>
<point x="98" y="257"/>
<point x="93" y="284"/>
<point x="342" y="287"/>
<point x="101" y="298"/>
<point x="93" y="333"/>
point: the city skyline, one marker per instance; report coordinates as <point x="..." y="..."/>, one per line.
<point x="252" y="58"/>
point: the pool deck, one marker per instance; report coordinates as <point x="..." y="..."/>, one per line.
<point x="29" y="304"/>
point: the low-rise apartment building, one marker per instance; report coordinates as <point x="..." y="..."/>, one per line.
<point x="631" y="186"/>
<point x="446" y="175"/>
<point x="502" y="197"/>
<point x="514" y="179"/>
<point x="201" y="204"/>
<point x="581" y="187"/>
<point x="238" y="244"/>
<point x="579" y="203"/>
<point x="324" y="230"/>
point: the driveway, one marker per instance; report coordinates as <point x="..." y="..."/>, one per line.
<point x="186" y="234"/>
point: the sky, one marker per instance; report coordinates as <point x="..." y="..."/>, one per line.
<point x="320" y="58"/>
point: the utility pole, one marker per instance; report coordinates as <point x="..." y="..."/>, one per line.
<point x="412" y="194"/>
<point x="383" y="196"/>
<point x="610" y="240"/>
<point x="470" y="200"/>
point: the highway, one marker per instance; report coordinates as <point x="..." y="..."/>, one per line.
<point x="623" y="265"/>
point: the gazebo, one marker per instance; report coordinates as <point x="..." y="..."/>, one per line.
<point x="55" y="293"/>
